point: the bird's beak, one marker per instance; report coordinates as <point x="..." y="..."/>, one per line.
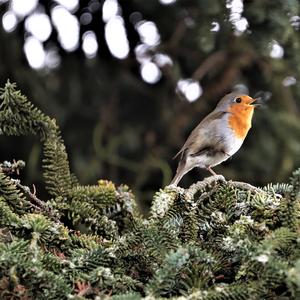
<point x="252" y="100"/>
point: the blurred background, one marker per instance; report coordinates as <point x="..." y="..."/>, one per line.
<point x="127" y="80"/>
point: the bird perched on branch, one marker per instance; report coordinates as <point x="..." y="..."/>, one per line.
<point x="218" y="136"/>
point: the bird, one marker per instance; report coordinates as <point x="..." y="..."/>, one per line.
<point x="218" y="136"/>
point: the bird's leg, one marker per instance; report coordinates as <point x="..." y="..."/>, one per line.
<point x="211" y="171"/>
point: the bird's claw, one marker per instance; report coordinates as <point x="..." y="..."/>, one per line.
<point x="173" y="187"/>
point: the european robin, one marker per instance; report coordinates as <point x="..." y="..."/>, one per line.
<point x="218" y="136"/>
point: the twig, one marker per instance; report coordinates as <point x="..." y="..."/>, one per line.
<point x="34" y="189"/>
<point x="38" y="204"/>
<point x="9" y="168"/>
<point x="213" y="60"/>
<point x="35" y="207"/>
<point x="14" y="167"/>
<point x="178" y="34"/>
<point x="200" y="185"/>
<point x="26" y="189"/>
<point x="245" y="186"/>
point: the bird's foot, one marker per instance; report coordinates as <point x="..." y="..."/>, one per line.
<point x="211" y="171"/>
<point x="174" y="187"/>
<point x="171" y="186"/>
<point x="217" y="177"/>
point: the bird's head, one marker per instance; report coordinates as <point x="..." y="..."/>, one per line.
<point x="236" y="100"/>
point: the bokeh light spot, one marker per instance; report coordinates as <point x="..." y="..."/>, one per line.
<point x="236" y="8"/>
<point x="34" y="52"/>
<point x="86" y="18"/>
<point x="148" y="32"/>
<point x="150" y="72"/>
<point x="23" y="7"/>
<point x="94" y="6"/>
<point x="289" y="80"/>
<point x="135" y="17"/>
<point x="241" y="24"/>
<point x="39" y="26"/>
<point x="167" y="2"/>
<point x="52" y="59"/>
<point x="70" y="5"/>
<point x="89" y="44"/>
<point x="9" y="21"/>
<point x="190" y="88"/>
<point x="163" y="60"/>
<point x="215" y="27"/>
<point x="67" y="26"/>
<point x="110" y="9"/>
<point x="116" y="37"/>
<point x="142" y="53"/>
<point x="295" y="22"/>
<point x="277" y="51"/>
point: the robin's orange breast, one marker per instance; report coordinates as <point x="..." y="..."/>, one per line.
<point x="240" y="119"/>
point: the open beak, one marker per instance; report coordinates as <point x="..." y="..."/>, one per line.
<point x="254" y="100"/>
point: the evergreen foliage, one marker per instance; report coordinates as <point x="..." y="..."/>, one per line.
<point x="128" y="129"/>
<point x="215" y="240"/>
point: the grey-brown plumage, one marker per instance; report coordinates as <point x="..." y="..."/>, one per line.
<point x="212" y="141"/>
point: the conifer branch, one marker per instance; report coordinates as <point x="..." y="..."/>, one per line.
<point x="245" y="186"/>
<point x="201" y="185"/>
<point x="9" y="168"/>
<point x="35" y="202"/>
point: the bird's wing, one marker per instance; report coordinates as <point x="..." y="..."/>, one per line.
<point x="195" y="140"/>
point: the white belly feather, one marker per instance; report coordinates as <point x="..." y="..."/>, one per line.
<point x="227" y="140"/>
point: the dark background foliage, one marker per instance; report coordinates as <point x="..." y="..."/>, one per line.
<point x="118" y="127"/>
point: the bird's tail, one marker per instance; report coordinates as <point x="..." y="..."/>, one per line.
<point x="176" y="179"/>
<point x="180" y="172"/>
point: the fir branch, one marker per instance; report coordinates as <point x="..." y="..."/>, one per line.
<point x="35" y="202"/>
<point x="9" y="168"/>
<point x="245" y="186"/>
<point x="201" y="185"/>
<point x="56" y="167"/>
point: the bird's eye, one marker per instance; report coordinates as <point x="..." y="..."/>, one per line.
<point x="238" y="100"/>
